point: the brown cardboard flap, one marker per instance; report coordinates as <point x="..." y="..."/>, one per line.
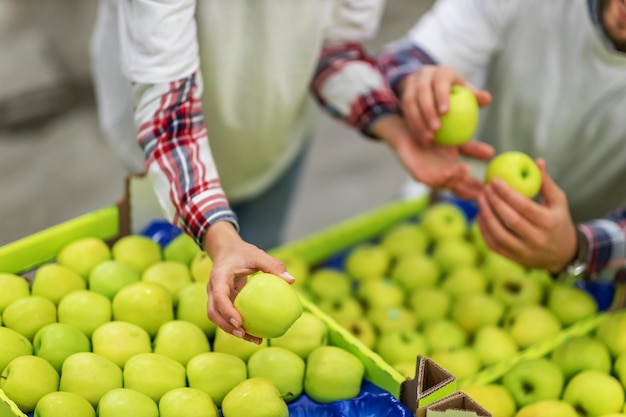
<point x="430" y="379"/>
<point x="458" y="404"/>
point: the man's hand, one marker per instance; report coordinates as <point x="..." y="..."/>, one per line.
<point x="536" y="235"/>
<point x="233" y="261"/>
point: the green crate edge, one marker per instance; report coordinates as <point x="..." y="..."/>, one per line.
<point x="20" y="257"/>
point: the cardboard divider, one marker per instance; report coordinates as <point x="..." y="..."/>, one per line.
<point x="458" y="404"/>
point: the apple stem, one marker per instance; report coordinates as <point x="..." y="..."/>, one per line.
<point x="288" y="395"/>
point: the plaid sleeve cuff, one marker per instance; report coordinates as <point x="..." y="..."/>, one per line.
<point x="607" y="246"/>
<point x="370" y="107"/>
<point x="399" y="60"/>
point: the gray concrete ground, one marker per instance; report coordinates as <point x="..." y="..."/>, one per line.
<point x="54" y="164"/>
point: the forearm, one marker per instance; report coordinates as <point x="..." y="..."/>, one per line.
<point x="607" y="243"/>
<point x="349" y="86"/>
<point x="173" y="138"/>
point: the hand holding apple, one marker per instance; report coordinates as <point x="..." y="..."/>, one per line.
<point x="516" y="169"/>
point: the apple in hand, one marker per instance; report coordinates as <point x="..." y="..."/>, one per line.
<point x="181" y="249"/>
<point x="492" y="397"/>
<point x="367" y="261"/>
<point x="125" y="402"/>
<point x="28" y="315"/>
<point x="281" y="366"/>
<point x="145" y="304"/>
<point x="28" y="378"/>
<point x="493" y="344"/>
<point x="85" y="310"/>
<point x="256" y="397"/>
<point x="153" y="374"/>
<point x="168" y="341"/>
<point x="54" y="281"/>
<point x="137" y="251"/>
<point x="172" y="275"/>
<point x="228" y="343"/>
<point x="192" y="307"/>
<point x="430" y="304"/>
<point x="90" y="376"/>
<point x="415" y="271"/>
<point x="530" y="323"/>
<point x="119" y="341"/>
<point x="581" y="353"/>
<point x="268" y="305"/>
<point x="444" y="220"/>
<point x="459" y="123"/>
<point x="307" y="333"/>
<point x="594" y="393"/>
<point x="399" y="346"/>
<point x="12" y="345"/>
<point x="64" y="404"/>
<point x="548" y="408"/>
<point x="108" y="277"/>
<point x="518" y="170"/>
<point x="571" y="304"/>
<point x="405" y="238"/>
<point x="13" y="287"/>
<point x="473" y="311"/>
<point x="187" y="402"/>
<point x="56" y="341"/>
<point x="82" y="255"/>
<point x="534" y="380"/>
<point x="332" y="374"/>
<point x="216" y="373"/>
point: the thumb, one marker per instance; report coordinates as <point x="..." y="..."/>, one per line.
<point x="550" y="192"/>
<point x="482" y="96"/>
<point x="271" y="265"/>
<point x="478" y="150"/>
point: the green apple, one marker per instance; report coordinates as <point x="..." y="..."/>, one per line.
<point x="64" y="404"/>
<point x="13" y="287"/>
<point x="145" y="304"/>
<point x="391" y="318"/>
<point x="192" y="307"/>
<point x="517" y="289"/>
<point x="444" y="220"/>
<point x="108" y="277"/>
<point x="619" y="369"/>
<point x="153" y="374"/>
<point x="125" y="402"/>
<point x="415" y="271"/>
<point x="268" y="305"/>
<point x="256" y="397"/>
<point x="454" y="253"/>
<point x="332" y="374"/>
<point x="306" y="334"/>
<point x="612" y="332"/>
<point x="53" y="281"/>
<point x="543" y="277"/>
<point x="534" y="380"/>
<point x="329" y="284"/>
<point x="548" y="408"/>
<point x="381" y="293"/>
<point x="201" y="267"/>
<point x="594" y="393"/>
<point x="12" y="345"/>
<point x="465" y="280"/>
<point x="84" y="309"/>
<point x="405" y="238"/>
<point x="298" y="267"/>
<point x="518" y="170"/>
<point x="216" y="373"/>
<point x="187" y="402"/>
<point x="228" y="343"/>
<point x="530" y="323"/>
<point x="363" y="330"/>
<point x="168" y="341"/>
<point x="90" y="376"/>
<point x="26" y="379"/>
<point x="367" y="261"/>
<point x="496" y="266"/>
<point x="459" y="123"/>
<point x="28" y="315"/>
<point x="348" y="308"/>
<point x="476" y="237"/>
<point x="137" y="251"/>
<point x="81" y="255"/>
<point x="473" y="311"/>
<point x="571" y="304"/>
<point x="430" y="304"/>
<point x="397" y="346"/>
<point x="172" y="275"/>
<point x="281" y="366"/>
<point x="494" y="398"/>
<point x="119" y="341"/>
<point x="580" y="353"/>
<point x="444" y="335"/>
<point x="181" y="249"/>
<point x="406" y="369"/>
<point x="493" y="344"/>
<point x="56" y="341"/>
<point x="462" y="362"/>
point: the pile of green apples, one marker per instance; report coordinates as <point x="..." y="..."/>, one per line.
<point x="584" y="376"/>
<point x="431" y="286"/>
<point x="121" y="330"/>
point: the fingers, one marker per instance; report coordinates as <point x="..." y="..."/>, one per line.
<point x="550" y="191"/>
<point x="413" y="114"/>
<point x="271" y="265"/>
<point x="497" y="233"/>
<point x="482" y="97"/>
<point x="477" y="150"/>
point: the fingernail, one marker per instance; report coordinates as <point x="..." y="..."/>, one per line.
<point x="443" y="108"/>
<point x="258" y="342"/>
<point x="238" y="333"/>
<point x="434" y="124"/>
<point x="234" y="322"/>
<point x="288" y="276"/>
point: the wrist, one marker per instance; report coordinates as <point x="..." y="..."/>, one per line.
<point x="219" y="235"/>
<point x="579" y="261"/>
